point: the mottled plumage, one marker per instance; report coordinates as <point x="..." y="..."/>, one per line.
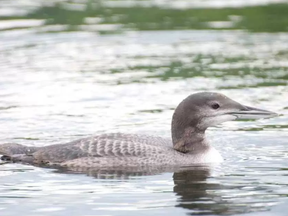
<point x="106" y="150"/>
<point x="190" y="120"/>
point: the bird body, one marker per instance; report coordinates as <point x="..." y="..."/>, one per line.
<point x="188" y="145"/>
<point x="111" y="150"/>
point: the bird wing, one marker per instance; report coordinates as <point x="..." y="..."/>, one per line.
<point x="97" y="146"/>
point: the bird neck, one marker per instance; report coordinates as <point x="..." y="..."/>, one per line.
<point x="191" y="140"/>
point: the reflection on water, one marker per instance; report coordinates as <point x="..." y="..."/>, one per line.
<point x="201" y="196"/>
<point x="118" y="16"/>
<point x="70" y="69"/>
<point x="193" y="192"/>
<point x="198" y="190"/>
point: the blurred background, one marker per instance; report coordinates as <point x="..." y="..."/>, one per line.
<point x="97" y="65"/>
<point x="73" y="68"/>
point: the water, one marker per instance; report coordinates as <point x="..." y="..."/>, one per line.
<point x="70" y="69"/>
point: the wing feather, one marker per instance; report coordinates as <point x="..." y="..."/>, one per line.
<point x="106" y="145"/>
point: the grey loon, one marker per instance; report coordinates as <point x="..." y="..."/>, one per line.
<point x="191" y="118"/>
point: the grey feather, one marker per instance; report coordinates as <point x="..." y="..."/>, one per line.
<point x="188" y="146"/>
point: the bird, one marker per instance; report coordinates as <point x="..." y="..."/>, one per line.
<point x="188" y="145"/>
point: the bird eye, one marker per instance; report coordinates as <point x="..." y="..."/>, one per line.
<point x="215" y="106"/>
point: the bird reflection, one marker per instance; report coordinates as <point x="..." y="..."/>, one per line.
<point x="193" y="186"/>
<point x="196" y="190"/>
<point x="120" y="173"/>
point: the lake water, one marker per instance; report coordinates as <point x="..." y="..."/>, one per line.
<point x="71" y="69"/>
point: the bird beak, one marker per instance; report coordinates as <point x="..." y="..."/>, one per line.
<point x="247" y="112"/>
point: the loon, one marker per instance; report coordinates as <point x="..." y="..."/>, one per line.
<point x="188" y="146"/>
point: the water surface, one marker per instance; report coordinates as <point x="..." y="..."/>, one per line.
<point x="70" y="69"/>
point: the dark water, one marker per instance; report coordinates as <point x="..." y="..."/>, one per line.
<point x="70" y="69"/>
